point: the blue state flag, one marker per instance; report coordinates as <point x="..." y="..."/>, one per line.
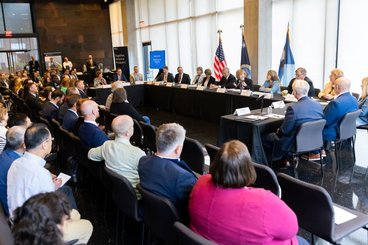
<point x="244" y="60"/>
<point x="287" y="63"/>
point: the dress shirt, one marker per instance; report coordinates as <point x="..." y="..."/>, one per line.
<point x="27" y="177"/>
<point x="121" y="157"/>
<point x="3" y="131"/>
<point x="198" y="79"/>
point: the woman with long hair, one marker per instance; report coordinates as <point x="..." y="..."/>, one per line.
<point x="363" y="104"/>
<point x="272" y="83"/>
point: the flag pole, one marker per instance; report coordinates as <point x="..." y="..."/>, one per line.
<point x="219" y="31"/>
<point x="242" y="28"/>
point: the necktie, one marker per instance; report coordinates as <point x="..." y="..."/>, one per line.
<point x="180" y="77"/>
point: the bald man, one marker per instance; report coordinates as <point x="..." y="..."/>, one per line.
<point x="336" y="109"/>
<point x="89" y="132"/>
<point x="119" y="155"/>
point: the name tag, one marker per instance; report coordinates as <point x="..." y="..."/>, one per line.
<point x="185" y="86"/>
<point x="278" y="104"/>
<point x="157" y="83"/>
<point x="246" y="93"/>
<point x="242" y="111"/>
<point x="169" y="84"/>
<point x="201" y="88"/>
<point x="221" y="90"/>
<point x="268" y="96"/>
<point x="149" y="83"/>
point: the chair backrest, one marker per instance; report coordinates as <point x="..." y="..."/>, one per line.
<point x="212" y="151"/>
<point x="309" y="136"/>
<point x="312" y="205"/>
<point x="189" y="237"/>
<point x="137" y="138"/>
<point x="149" y="136"/>
<point x="347" y="127"/>
<point x="266" y="179"/>
<point x="6" y="237"/>
<point x="43" y="120"/>
<point x="193" y="155"/>
<point x="123" y="194"/>
<point x="316" y="92"/>
<point x="256" y="87"/>
<point x="356" y="95"/>
<point x="160" y="215"/>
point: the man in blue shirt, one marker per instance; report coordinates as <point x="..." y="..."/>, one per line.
<point x="14" y="149"/>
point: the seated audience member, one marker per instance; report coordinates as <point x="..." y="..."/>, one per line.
<point x="81" y="87"/>
<point x="119" y="155"/>
<point x="363" y="104"/>
<point x="27" y="177"/>
<point x="3" y="123"/>
<point x="158" y="172"/>
<point x="165" y="76"/>
<point x="65" y="83"/>
<point x="301" y="74"/>
<point x="51" y="108"/>
<point x="99" y="80"/>
<point x="225" y="209"/>
<point x="37" y="79"/>
<point x="19" y="119"/>
<point x="337" y="108"/>
<point x="46" y="218"/>
<point x="209" y="80"/>
<point x="3" y="81"/>
<point x="64" y="107"/>
<point x="45" y="94"/>
<point x="89" y="132"/>
<point x="242" y="81"/>
<point x="31" y="98"/>
<point x="14" y="149"/>
<point x="18" y="87"/>
<point x="135" y="76"/>
<point x="71" y="116"/>
<point x="227" y="80"/>
<point x="73" y="74"/>
<point x="328" y="93"/>
<point x="119" y="76"/>
<point x="66" y="74"/>
<point x="305" y="110"/>
<point x="198" y="79"/>
<point x="272" y="83"/>
<point x="121" y="106"/>
<point x="181" y="77"/>
<point x="114" y="86"/>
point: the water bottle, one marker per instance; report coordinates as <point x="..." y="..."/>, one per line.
<point x="271" y="94"/>
<point x="269" y="110"/>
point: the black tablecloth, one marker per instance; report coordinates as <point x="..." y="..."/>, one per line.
<point x="249" y="132"/>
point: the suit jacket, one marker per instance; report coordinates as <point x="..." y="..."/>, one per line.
<point x="50" y="111"/>
<point x="247" y="81"/>
<point x="311" y="92"/>
<point x="169" y="178"/>
<point x="34" y="66"/>
<point x="184" y="80"/>
<point x="70" y="121"/>
<point x="305" y="110"/>
<point x="83" y="94"/>
<point x="89" y="65"/>
<point x="125" y="108"/>
<point x="116" y="78"/>
<point x="62" y="110"/>
<point x="34" y="104"/>
<point x="132" y="79"/>
<point x="170" y="77"/>
<point x="91" y="135"/>
<point x="335" y="111"/>
<point x="211" y="81"/>
<point x="230" y="82"/>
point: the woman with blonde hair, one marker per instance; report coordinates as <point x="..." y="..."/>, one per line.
<point x="272" y="84"/>
<point x="363" y="104"/>
<point x="328" y="93"/>
<point x="18" y="87"/>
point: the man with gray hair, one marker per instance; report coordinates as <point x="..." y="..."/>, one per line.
<point x="119" y="155"/>
<point x="14" y="149"/>
<point x="301" y="74"/>
<point x="305" y="110"/>
<point x="164" y="173"/>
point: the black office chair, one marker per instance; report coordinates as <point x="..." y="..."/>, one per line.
<point x="189" y="237"/>
<point x="308" y="138"/>
<point x="125" y="199"/>
<point x="149" y="137"/>
<point x="315" y="210"/>
<point x="211" y="150"/>
<point x="316" y="92"/>
<point x="160" y="215"/>
<point x="6" y="237"/>
<point x="266" y="179"/>
<point x="356" y="95"/>
<point x="137" y="138"/>
<point x="193" y="155"/>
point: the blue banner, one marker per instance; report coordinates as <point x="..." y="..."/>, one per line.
<point x="157" y="59"/>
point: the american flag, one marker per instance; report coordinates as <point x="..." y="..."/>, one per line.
<point x="220" y="61"/>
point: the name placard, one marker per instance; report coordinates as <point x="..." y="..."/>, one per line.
<point x="169" y="84"/>
<point x="149" y="82"/>
<point x="242" y="111"/>
<point x="201" y="88"/>
<point x="184" y="86"/>
<point x="278" y="104"/>
<point x="157" y="83"/>
<point x="246" y="93"/>
<point x="268" y="96"/>
<point x="221" y="90"/>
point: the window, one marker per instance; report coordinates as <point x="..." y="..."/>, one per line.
<point x="17" y="17"/>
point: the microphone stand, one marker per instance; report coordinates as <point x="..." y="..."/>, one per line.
<point x="260" y="98"/>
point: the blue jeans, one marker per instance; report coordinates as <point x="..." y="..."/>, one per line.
<point x="146" y="119"/>
<point x="69" y="194"/>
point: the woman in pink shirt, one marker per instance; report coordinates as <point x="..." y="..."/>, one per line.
<point x="225" y="210"/>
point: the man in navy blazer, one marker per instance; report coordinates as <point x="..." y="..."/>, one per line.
<point x="227" y="80"/>
<point x="119" y="76"/>
<point x="89" y="133"/>
<point x="305" y="110"/>
<point x="337" y="108"/>
<point x="51" y="108"/>
<point x="164" y="173"/>
<point x="165" y="76"/>
<point x="71" y="116"/>
<point x="181" y="77"/>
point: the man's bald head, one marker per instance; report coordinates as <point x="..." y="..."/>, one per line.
<point x="341" y="85"/>
<point x="88" y="107"/>
<point x="15" y="138"/>
<point x="123" y="126"/>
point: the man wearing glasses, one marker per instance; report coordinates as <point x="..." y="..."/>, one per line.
<point x="301" y="74"/>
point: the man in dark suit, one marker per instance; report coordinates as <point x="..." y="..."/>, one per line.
<point x="337" y="108"/>
<point x="31" y="98"/>
<point x="305" y="110"/>
<point x="119" y="76"/>
<point x="166" y="76"/>
<point x="228" y="80"/>
<point x="164" y="173"/>
<point x="301" y="74"/>
<point x="51" y="108"/>
<point x="33" y="65"/>
<point x="80" y="86"/>
<point x="71" y="116"/>
<point x="89" y="133"/>
<point x="91" y="66"/>
<point x="181" y="77"/>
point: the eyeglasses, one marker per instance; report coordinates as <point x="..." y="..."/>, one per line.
<point x="49" y="139"/>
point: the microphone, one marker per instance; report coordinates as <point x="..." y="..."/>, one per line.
<point x="260" y="97"/>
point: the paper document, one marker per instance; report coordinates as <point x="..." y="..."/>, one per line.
<point x="64" y="178"/>
<point x="256" y="117"/>
<point x="277" y="116"/>
<point x="341" y="215"/>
